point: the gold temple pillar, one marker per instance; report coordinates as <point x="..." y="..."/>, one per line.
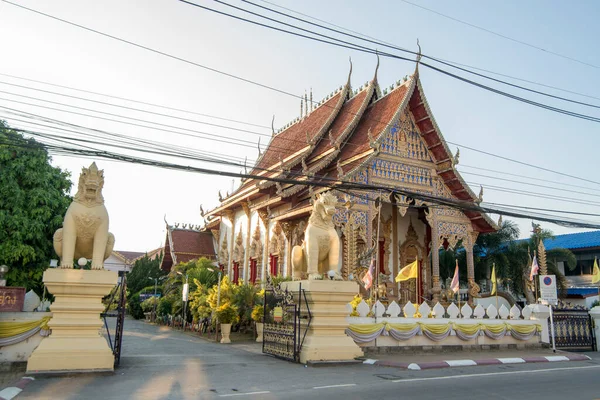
<point x="395" y="246"/>
<point x="230" y="215"/>
<point x="473" y="287"/>
<point x="436" y="287"/>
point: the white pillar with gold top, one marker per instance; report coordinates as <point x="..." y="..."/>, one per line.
<point x="75" y="343"/>
<point x="326" y="339"/>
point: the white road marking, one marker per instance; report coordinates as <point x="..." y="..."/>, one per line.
<point x="557" y="358"/>
<point x="446" y="377"/>
<point x="414" y="367"/>
<point x="243" y="394"/>
<point x="515" y="360"/>
<point x="334" y="386"/>
<point x="9" y="392"/>
<point x="460" y="363"/>
<point x="369" y="361"/>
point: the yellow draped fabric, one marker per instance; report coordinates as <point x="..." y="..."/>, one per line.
<point x="525" y="329"/>
<point x="8" y="329"/>
<point x="469" y="329"/>
<point x="402" y="327"/>
<point x="437" y="329"/>
<point x="366" y="329"/>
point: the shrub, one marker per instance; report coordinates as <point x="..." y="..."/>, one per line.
<point x="165" y="306"/>
<point x="149" y="304"/>
<point x="227" y="313"/>
<point x="134" y="307"/>
<point x="258" y="313"/>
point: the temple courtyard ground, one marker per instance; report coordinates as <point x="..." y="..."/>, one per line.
<point x="161" y="363"/>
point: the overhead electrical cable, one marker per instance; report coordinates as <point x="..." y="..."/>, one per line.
<point x="427" y="56"/>
<point x="342" y="185"/>
<point x="540" y="105"/>
<point x="450" y="64"/>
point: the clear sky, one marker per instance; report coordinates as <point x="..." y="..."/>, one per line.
<point x="139" y="197"/>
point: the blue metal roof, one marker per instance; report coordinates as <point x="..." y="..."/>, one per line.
<point x="579" y="291"/>
<point x="577" y="240"/>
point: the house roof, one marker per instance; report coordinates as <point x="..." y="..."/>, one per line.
<point x="579" y="240"/>
<point x="129" y="256"/>
<point x="183" y="245"/>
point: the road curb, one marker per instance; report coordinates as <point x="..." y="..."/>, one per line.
<point x="417" y="366"/>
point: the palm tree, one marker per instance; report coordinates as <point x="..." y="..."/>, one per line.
<point x="512" y="258"/>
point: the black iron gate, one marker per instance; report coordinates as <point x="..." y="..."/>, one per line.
<point x="286" y="320"/>
<point x="573" y="329"/>
<point x="118" y="313"/>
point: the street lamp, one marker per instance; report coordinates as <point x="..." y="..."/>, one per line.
<point x="185" y="297"/>
<point x="218" y="303"/>
<point x="155" y="301"/>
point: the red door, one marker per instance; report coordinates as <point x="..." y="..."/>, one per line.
<point x="253" y="271"/>
<point x="236" y="272"/>
<point x="273" y="261"/>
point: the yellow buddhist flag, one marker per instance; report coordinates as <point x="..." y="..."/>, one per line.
<point x="409" y="272"/>
<point x="493" y="279"/>
<point x="596" y="272"/>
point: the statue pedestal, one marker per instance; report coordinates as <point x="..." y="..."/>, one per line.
<point x="326" y="339"/>
<point x="75" y="343"/>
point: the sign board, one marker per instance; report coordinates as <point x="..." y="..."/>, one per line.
<point x="185" y="291"/>
<point x="146" y="296"/>
<point x="278" y="314"/>
<point x="11" y="299"/>
<point x="548" y="289"/>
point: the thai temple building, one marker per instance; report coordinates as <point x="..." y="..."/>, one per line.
<point x="365" y="136"/>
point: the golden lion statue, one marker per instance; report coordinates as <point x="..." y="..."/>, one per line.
<point x="319" y="253"/>
<point x="85" y="228"/>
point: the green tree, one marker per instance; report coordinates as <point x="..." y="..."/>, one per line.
<point x="143" y="272"/>
<point x="33" y="201"/>
<point x="512" y="257"/>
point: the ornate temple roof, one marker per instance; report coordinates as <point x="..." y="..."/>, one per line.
<point x="183" y="245"/>
<point x="343" y="135"/>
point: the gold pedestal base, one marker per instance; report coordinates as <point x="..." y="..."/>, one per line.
<point x="75" y="343"/>
<point x="326" y="339"/>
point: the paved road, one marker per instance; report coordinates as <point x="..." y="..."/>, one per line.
<point x="159" y="363"/>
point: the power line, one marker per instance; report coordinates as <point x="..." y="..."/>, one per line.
<point x="535" y="194"/>
<point x="522" y="162"/>
<point x="530" y="184"/>
<point x="450" y="64"/>
<point x="501" y="35"/>
<point x="288" y="93"/>
<point x="514" y="97"/>
<point x="442" y="71"/>
<point x="250" y="144"/>
<point x="343" y="185"/>
<point x="523" y="176"/>
<point x="433" y="58"/>
<point x="128" y="99"/>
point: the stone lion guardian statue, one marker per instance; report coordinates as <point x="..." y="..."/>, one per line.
<point x="85" y="227"/>
<point x="319" y="253"/>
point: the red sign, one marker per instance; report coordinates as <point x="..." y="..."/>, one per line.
<point x="11" y="298"/>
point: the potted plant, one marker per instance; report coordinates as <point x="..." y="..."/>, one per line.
<point x="227" y="315"/>
<point x="257" y="315"/>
